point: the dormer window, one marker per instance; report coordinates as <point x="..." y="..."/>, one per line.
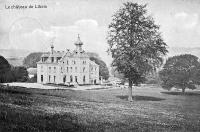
<point x="73" y="62"/>
<point x="58" y="58"/>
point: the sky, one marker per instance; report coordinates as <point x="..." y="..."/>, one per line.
<point x="60" y="23"/>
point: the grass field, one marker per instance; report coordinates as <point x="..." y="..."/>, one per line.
<point x="153" y="109"/>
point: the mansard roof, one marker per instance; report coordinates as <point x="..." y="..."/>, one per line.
<point x="78" y="54"/>
<point x="62" y="55"/>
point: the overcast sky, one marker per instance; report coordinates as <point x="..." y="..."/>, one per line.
<point x="34" y="29"/>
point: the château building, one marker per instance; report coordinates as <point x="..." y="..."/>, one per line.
<point x="65" y="67"/>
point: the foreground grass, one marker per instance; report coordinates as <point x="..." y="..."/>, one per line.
<point x="24" y="109"/>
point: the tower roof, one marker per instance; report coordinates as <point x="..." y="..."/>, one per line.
<point x="78" y="42"/>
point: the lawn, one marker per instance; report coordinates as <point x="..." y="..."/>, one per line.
<point x="153" y="109"/>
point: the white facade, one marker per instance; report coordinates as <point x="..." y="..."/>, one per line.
<point x="67" y="67"/>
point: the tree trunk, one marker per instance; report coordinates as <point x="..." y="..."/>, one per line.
<point x="130" y="98"/>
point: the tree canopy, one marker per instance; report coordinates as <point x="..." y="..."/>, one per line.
<point x="32" y="59"/>
<point x="5" y="71"/>
<point x="4" y="65"/>
<point x="11" y="74"/>
<point x="20" y="73"/>
<point x="135" y="43"/>
<point x="103" y="69"/>
<point x="181" y="72"/>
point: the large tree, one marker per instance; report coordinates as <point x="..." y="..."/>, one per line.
<point x="5" y="71"/>
<point x="135" y="43"/>
<point x="182" y="71"/>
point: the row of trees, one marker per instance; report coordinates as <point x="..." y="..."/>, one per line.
<point x="9" y="73"/>
<point x="137" y="49"/>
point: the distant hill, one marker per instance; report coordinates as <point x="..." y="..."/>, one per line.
<point x="14" y="56"/>
<point x="14" y="53"/>
<point x="16" y="61"/>
<point x="183" y="50"/>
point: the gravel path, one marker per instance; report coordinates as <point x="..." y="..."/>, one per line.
<point x="41" y="86"/>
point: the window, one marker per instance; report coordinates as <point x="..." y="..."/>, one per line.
<point x="71" y="78"/>
<point x="71" y="69"/>
<point x="74" y="62"/>
<point x="49" y="78"/>
<point x="58" y="58"/>
<point x="54" y="69"/>
<point x="83" y="79"/>
<point x="61" y="70"/>
<point x="76" y="79"/>
<point x="54" y="78"/>
<point x="64" y="79"/>
<point x="52" y="59"/>
<point x="67" y="69"/>
<point x="83" y="69"/>
<point x="75" y="69"/>
<point x="41" y="78"/>
<point x="84" y="62"/>
<point x="67" y="62"/>
<point x="49" y="69"/>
